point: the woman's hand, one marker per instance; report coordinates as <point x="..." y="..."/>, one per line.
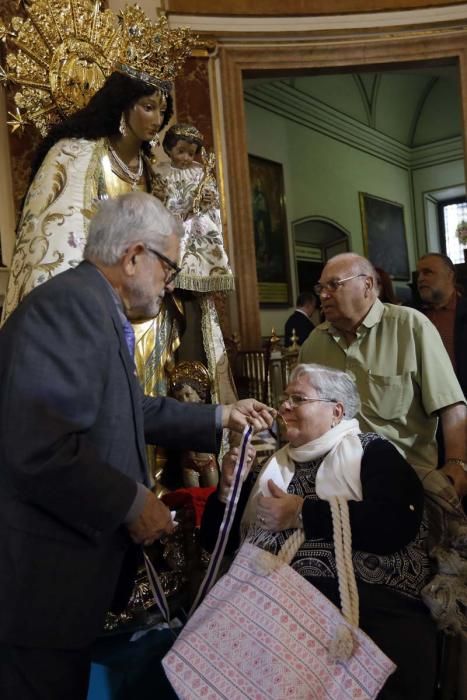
<point x="228" y="466"/>
<point x="280" y="510"/>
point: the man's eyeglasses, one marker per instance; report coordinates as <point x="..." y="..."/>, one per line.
<point x="297" y="400"/>
<point x="170" y="263"/>
<point x="333" y="285"/>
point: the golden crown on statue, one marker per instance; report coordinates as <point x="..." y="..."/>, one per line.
<point x="60" y="53"/>
<point x="187" y="130"/>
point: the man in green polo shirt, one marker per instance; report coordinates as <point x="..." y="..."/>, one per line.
<point x="402" y="370"/>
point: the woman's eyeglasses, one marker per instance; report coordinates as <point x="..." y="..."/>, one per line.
<point x="297" y="400"/>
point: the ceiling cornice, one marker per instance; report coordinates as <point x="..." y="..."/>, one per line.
<point x="284" y="100"/>
<point x="217" y="25"/>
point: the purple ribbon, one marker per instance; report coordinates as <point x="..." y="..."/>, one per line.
<point x="222" y="538"/>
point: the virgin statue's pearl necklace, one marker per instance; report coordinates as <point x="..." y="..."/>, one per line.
<point x="133" y="177"/>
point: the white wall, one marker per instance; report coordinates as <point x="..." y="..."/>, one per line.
<point x="432" y="178"/>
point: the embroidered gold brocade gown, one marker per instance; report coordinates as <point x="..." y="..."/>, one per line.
<point x="156" y="339"/>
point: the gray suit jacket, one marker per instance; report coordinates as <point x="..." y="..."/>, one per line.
<point x="73" y="427"/>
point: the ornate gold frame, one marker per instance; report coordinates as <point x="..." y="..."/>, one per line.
<point x="7" y="209"/>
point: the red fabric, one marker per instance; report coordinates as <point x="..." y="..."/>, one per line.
<point x="444" y="318"/>
<point x="194" y="498"/>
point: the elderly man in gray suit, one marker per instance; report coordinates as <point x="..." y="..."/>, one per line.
<point x="73" y="426"/>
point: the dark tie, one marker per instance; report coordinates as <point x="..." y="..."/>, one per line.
<point x="129" y="337"/>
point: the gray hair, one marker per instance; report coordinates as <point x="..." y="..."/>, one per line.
<point x="330" y="384"/>
<point x="444" y="259"/>
<point x="123" y="220"/>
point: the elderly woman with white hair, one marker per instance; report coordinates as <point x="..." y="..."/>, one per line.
<point x="327" y="454"/>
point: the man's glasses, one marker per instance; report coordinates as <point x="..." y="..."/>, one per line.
<point x="297" y="400"/>
<point x="170" y="263"/>
<point x="333" y="285"/>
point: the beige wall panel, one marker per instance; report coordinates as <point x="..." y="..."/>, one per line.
<point x="296" y="7"/>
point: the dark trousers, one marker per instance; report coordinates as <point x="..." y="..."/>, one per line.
<point x="43" y="674"/>
<point x="404" y="630"/>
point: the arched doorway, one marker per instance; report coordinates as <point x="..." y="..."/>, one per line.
<point x="316" y="239"/>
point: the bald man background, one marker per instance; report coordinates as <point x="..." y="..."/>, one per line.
<point x="407" y="386"/>
<point x="403" y="372"/>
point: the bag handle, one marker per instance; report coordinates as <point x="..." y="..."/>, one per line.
<point x="156" y="587"/>
<point x="291" y="546"/>
<point x="240" y="469"/>
<point x="342" y="645"/>
<point x="343" y="554"/>
<point x="227" y="520"/>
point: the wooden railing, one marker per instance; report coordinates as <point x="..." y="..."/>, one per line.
<point x="262" y="374"/>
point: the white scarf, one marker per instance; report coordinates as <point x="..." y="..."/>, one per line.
<point x="338" y="473"/>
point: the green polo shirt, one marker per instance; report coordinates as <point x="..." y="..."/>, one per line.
<point x="403" y="374"/>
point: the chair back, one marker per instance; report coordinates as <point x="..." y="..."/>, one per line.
<point x="251" y="374"/>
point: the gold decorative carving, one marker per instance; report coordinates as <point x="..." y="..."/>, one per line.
<point x="191" y="369"/>
<point x="188" y="131"/>
<point x="208" y="181"/>
<point x="59" y="55"/>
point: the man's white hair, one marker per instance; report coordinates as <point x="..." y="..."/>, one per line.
<point x="124" y="220"/>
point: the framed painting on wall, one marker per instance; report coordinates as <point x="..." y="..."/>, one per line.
<point x="384" y="237"/>
<point x="270" y="228"/>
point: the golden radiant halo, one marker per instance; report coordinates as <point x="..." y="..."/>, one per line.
<point x="60" y="54"/>
<point x="190" y="369"/>
<point x="17" y="121"/>
<point x="77" y="72"/>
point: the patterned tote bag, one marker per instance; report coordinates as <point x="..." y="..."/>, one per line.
<point x="265" y="633"/>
